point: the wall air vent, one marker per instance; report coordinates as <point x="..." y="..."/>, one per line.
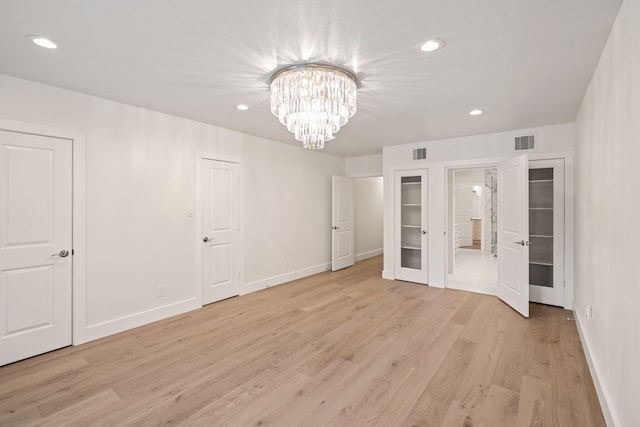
<point x="419" y="154"/>
<point x="526" y="142"/>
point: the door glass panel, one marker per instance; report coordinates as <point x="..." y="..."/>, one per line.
<point x="541" y="227"/>
<point x="411" y="227"/>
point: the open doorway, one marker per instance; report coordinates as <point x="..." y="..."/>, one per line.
<point x="472" y="219"/>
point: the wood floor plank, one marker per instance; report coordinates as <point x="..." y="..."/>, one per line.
<point x="472" y="392"/>
<point x="534" y="408"/>
<point x="336" y="348"/>
<point x="501" y="408"/>
<point x="431" y="407"/>
<point x="81" y="409"/>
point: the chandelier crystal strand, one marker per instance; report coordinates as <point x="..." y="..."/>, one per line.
<point x="313" y="102"/>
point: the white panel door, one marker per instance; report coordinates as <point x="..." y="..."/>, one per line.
<point x="35" y="245"/>
<point x="342" y="238"/>
<point x="411" y="234"/>
<point x="513" y="233"/>
<point x="464" y="212"/>
<point x="220" y="230"/>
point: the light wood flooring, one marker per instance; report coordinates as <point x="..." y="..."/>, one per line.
<point x="336" y="349"/>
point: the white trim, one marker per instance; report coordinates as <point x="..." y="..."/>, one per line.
<point x="387" y="275"/>
<point x="198" y="217"/>
<point x="610" y="418"/>
<point x="130" y="321"/>
<point x="284" y="278"/>
<point x="79" y="268"/>
<point x="365" y="175"/>
<point x="369" y="254"/>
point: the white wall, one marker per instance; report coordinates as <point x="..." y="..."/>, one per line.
<point x="364" y="166"/>
<point x="140" y="168"/>
<point x="288" y="212"/>
<point x="479" y="150"/>
<point x="607" y="226"/>
<point x="369" y="209"/>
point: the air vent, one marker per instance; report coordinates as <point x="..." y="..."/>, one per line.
<point x="419" y="154"/>
<point x="526" y="142"/>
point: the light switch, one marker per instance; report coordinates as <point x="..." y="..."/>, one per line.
<point x="190" y="212"/>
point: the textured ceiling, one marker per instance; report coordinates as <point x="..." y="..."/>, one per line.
<point x="526" y="63"/>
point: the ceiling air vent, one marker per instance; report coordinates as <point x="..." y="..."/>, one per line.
<point x="419" y="154"/>
<point x="526" y="142"/>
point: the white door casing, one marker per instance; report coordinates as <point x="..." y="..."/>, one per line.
<point x="342" y="237"/>
<point x="35" y="244"/>
<point x="513" y="233"/>
<point x="220" y="230"/>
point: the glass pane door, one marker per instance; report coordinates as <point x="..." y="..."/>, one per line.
<point x="541" y="227"/>
<point x="410" y="222"/>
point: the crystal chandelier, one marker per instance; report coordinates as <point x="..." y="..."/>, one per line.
<point x="313" y="101"/>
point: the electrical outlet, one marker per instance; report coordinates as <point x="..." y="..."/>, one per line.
<point x="162" y="291"/>
<point x="589" y="311"/>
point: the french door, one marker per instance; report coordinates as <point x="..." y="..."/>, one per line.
<point x="546" y="231"/>
<point x="513" y="233"/>
<point x="411" y="232"/>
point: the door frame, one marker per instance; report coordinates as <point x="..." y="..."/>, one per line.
<point x="449" y="249"/>
<point x="79" y="333"/>
<point x="569" y="189"/>
<point x="198" y="290"/>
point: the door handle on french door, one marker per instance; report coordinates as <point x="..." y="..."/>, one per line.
<point x="62" y="254"/>
<point x="334" y="227"/>
<point x="523" y="243"/>
<point x="205" y="239"/>
<point x="424" y="232"/>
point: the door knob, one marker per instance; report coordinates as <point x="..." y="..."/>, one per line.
<point x="205" y="239"/>
<point x="424" y="232"/>
<point x="523" y="243"/>
<point x="334" y="227"/>
<point x="62" y="254"/>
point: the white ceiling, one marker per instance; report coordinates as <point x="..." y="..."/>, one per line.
<point x="525" y="62"/>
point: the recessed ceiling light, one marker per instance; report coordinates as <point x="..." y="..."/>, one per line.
<point x="431" y="45"/>
<point x="476" y="112"/>
<point x="242" y="107"/>
<point x="43" y="42"/>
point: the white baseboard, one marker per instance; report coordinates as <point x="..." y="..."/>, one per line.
<point x="370" y="254"/>
<point x="110" y="327"/>
<point x="609" y="417"/>
<point x="283" y="278"/>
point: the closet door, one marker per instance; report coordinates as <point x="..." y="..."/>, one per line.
<point x="411" y="234"/>
<point x="546" y="231"/>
